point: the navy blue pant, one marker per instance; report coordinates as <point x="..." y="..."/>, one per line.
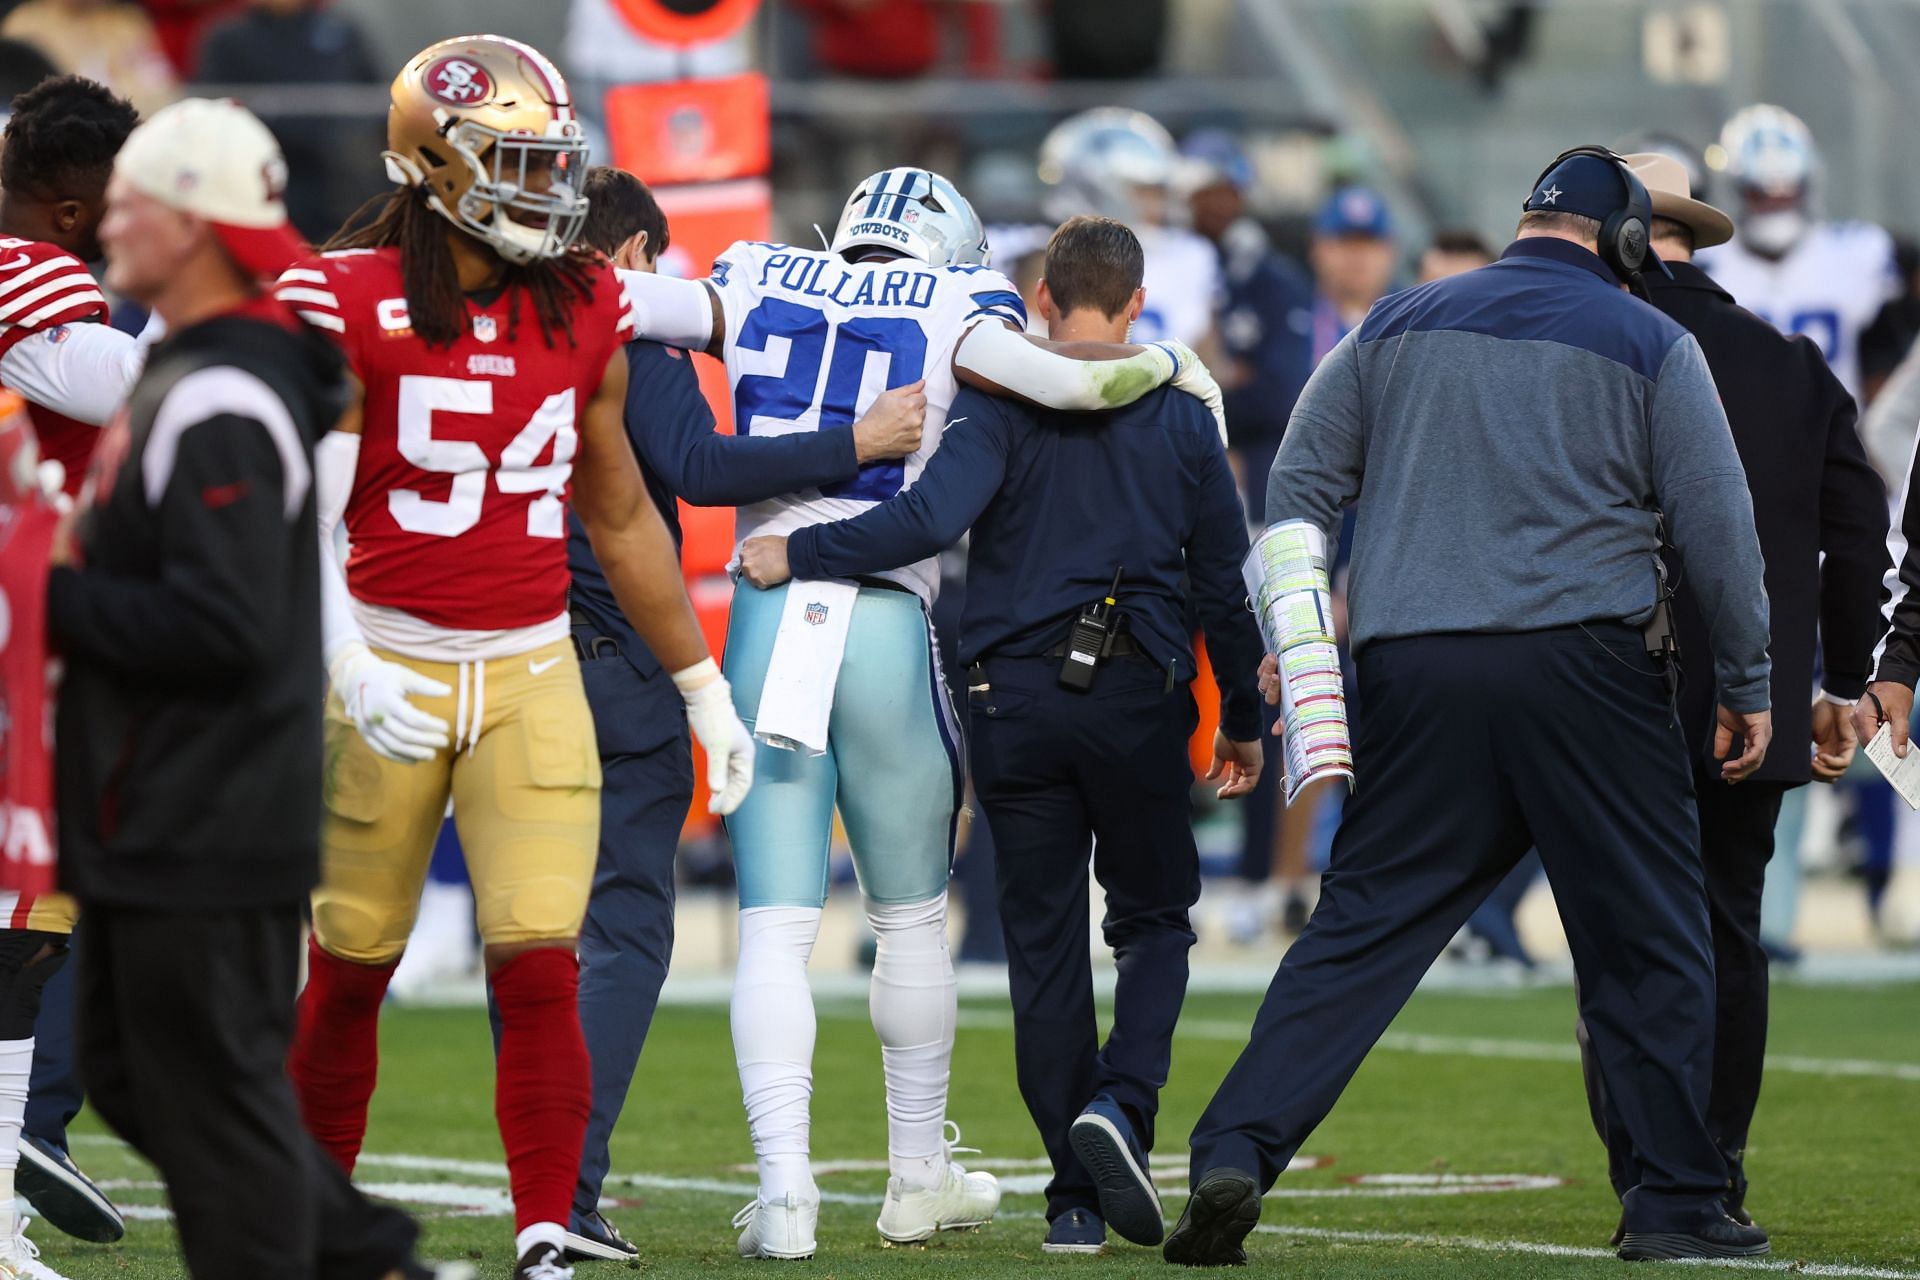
<point x="1057" y="771"/>
<point x="627" y="939"/>
<point x="1736" y="843"/>
<point x="1473" y="748"/>
<point x="54" y="1096"/>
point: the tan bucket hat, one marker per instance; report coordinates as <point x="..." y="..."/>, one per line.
<point x="1666" y="181"/>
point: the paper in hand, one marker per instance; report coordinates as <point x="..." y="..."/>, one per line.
<point x="1903" y="774"/>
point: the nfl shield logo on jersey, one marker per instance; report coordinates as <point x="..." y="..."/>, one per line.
<point x="816" y="614"/>
<point x="485" y="329"/>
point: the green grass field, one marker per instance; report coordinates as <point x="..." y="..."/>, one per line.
<point x="1472" y="1087"/>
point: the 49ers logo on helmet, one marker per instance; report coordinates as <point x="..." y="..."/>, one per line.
<point x="458" y="81"/>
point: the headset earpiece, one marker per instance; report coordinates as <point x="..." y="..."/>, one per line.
<point x="1624" y="233"/>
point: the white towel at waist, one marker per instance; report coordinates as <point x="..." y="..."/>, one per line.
<point x="796" y="701"/>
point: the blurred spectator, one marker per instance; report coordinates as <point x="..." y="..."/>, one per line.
<point x="181" y="23"/>
<point x="1353" y="257"/>
<point x="1028" y="270"/>
<point x="1452" y="252"/>
<point x="1107" y="39"/>
<point x="22" y="66"/>
<point x="876" y="39"/>
<point x="296" y="42"/>
<point x="1264" y="309"/>
<point x="104" y="40"/>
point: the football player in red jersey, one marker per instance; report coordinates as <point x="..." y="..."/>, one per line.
<point x="73" y="370"/>
<point x="56" y="348"/>
<point x="489" y="352"/>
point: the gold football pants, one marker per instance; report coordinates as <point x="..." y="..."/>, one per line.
<point x="523" y="773"/>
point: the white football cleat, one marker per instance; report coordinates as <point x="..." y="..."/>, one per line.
<point x="962" y="1201"/>
<point x="782" y="1230"/>
<point x="20" y="1257"/>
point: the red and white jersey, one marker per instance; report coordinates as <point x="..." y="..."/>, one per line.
<point x="43" y="289"/>
<point x="458" y="511"/>
<point x="26" y="706"/>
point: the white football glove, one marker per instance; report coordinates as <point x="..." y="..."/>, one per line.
<point x="375" y="694"/>
<point x="1193" y="377"/>
<point x="718" y="728"/>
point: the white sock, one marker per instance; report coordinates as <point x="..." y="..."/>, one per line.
<point x="539" y="1233"/>
<point x="773" y="1030"/>
<point x="913" y="1001"/>
<point x="16" y="1068"/>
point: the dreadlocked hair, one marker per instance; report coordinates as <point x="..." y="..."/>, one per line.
<point x="435" y="306"/>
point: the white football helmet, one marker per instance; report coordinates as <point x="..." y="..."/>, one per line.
<point x="1097" y="162"/>
<point x="916" y="212"/>
<point x="1773" y="165"/>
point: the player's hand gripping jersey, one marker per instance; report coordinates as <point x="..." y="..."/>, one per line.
<point x="812" y="340"/>
<point x="458" y="511"/>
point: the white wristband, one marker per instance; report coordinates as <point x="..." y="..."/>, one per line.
<point x="1836" y="699"/>
<point x="690" y="680"/>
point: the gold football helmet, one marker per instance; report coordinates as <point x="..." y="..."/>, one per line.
<point x="486" y="127"/>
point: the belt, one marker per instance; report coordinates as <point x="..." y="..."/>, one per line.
<point x="1123" y="647"/>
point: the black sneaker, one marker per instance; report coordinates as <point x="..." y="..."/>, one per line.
<point x="1220" y="1213"/>
<point x="1724" y="1238"/>
<point x="1104" y="1140"/>
<point x="62" y="1195"/>
<point x="1076" y="1231"/>
<point x="543" y="1262"/>
<point x="1735" y="1202"/>
<point x="593" y="1238"/>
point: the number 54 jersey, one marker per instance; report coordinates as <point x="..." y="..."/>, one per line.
<point x="813" y="339"/>
<point x="458" y="512"/>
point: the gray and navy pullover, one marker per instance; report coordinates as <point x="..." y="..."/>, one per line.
<point x="1508" y="438"/>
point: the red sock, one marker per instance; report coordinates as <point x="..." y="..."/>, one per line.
<point x="336" y="1050"/>
<point x="544" y="1084"/>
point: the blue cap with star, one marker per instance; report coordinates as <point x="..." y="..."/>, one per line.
<point x="1584" y="184"/>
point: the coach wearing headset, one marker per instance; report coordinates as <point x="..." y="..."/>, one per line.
<point x="1510" y="439"/>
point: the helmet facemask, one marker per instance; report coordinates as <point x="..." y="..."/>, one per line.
<point x="507" y="168"/>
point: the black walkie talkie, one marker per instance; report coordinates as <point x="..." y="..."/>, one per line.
<point x="1091" y="641"/>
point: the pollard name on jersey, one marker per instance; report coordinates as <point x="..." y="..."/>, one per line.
<point x="458" y="513"/>
<point x="812" y="341"/>
<point x="1829" y="287"/>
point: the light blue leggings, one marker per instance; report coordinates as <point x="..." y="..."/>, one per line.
<point x="892" y="763"/>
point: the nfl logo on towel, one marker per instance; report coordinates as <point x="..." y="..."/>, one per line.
<point x="485" y="329"/>
<point x="816" y="614"/>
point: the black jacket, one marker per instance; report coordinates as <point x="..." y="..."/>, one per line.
<point x="188" y="748"/>
<point x="1814" y="494"/>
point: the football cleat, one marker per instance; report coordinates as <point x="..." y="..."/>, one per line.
<point x="782" y="1230"/>
<point x="598" y="1240"/>
<point x="962" y="1201"/>
<point x="542" y="1262"/>
<point x="63" y="1196"/>
<point x="20" y="1257"/>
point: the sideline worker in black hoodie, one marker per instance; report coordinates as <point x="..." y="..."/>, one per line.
<point x="189" y="735"/>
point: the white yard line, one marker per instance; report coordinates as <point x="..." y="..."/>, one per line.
<point x="1474" y="1243"/>
<point x="1490" y="1047"/>
<point x="462" y="1200"/>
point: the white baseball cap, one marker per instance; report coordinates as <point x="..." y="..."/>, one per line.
<point x="215" y="160"/>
